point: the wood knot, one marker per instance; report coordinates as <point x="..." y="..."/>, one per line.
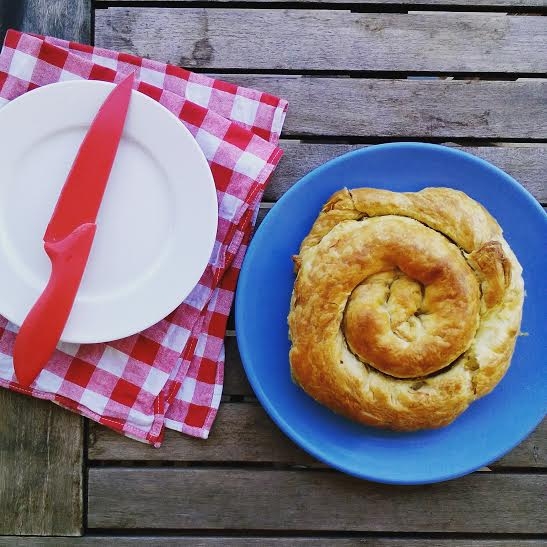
<point x="202" y="52"/>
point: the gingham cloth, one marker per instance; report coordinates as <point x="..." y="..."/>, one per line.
<point x="172" y="373"/>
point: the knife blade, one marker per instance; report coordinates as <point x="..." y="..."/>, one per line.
<point x="69" y="235"/>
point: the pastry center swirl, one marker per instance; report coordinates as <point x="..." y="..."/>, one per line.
<point x="417" y="314"/>
<point x="396" y="300"/>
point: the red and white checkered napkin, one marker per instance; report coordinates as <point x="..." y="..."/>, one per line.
<point x="172" y="373"/>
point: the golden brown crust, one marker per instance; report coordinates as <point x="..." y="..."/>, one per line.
<point x="405" y="308"/>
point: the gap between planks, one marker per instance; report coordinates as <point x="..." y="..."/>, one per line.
<point x="244" y="434"/>
<point x="278" y="538"/>
<point x="124" y="498"/>
<point x="522" y="7"/>
<point x="526" y="162"/>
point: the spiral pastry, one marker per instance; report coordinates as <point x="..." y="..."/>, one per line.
<point x="406" y="306"/>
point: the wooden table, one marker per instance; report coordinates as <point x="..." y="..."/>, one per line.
<point x="469" y="73"/>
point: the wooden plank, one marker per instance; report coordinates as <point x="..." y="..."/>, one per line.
<point x="358" y="107"/>
<point x="41" y="449"/>
<point x="395" y="108"/>
<point x="172" y="498"/>
<point x="528" y="165"/>
<point x="243" y="432"/>
<point x="68" y="19"/>
<point x="41" y="445"/>
<point x="335" y="40"/>
<point x="212" y="541"/>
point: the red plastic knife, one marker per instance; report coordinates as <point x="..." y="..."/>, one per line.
<point x="69" y="235"/>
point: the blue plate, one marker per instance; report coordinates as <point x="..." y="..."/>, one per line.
<point x="492" y="425"/>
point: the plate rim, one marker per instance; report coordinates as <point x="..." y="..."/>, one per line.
<point x="244" y="350"/>
<point x="189" y="139"/>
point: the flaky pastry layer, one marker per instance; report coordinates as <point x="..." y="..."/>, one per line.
<point x="406" y="306"/>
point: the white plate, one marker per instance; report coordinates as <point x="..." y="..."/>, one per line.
<point x="157" y="222"/>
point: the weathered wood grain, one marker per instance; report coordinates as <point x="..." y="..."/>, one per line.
<point x="336" y="40"/>
<point x="412" y="108"/>
<point x="212" y="541"/>
<point x="41" y="453"/>
<point x="68" y="19"/>
<point x="528" y="165"/>
<point x="312" y="500"/>
<point x="244" y="433"/>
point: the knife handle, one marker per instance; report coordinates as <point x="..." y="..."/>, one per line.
<point x="42" y="328"/>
